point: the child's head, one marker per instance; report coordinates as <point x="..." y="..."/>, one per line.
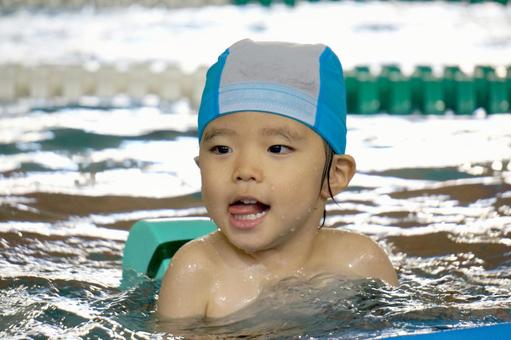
<point x="270" y="116"/>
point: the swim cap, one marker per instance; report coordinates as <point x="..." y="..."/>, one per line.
<point x="299" y="81"/>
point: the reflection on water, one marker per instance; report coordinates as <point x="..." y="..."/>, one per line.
<point x="434" y="192"/>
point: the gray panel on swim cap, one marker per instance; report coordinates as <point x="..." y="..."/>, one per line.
<point x="295" y="66"/>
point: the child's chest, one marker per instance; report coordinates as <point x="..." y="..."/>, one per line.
<point x="232" y="291"/>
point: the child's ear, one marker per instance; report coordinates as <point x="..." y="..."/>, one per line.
<point x="341" y="172"/>
<point x="196" y="159"/>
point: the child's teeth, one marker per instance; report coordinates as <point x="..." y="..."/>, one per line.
<point x="250" y="216"/>
<point x="249" y="201"/>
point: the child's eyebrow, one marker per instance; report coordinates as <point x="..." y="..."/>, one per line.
<point x="210" y="134"/>
<point x="285" y="132"/>
<point x="282" y="131"/>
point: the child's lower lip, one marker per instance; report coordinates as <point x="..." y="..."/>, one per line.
<point x="246" y="223"/>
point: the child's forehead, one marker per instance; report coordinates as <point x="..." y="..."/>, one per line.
<point x="261" y="123"/>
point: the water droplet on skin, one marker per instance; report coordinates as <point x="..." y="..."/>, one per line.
<point x="192" y="267"/>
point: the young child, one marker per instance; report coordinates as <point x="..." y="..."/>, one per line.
<point x="272" y="134"/>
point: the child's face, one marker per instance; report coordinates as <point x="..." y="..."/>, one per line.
<point x="276" y="161"/>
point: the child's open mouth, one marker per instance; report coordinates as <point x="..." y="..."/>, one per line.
<point x="247" y="213"/>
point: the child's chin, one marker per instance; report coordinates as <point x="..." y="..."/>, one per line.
<point x="251" y="247"/>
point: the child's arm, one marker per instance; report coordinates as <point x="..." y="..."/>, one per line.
<point x="185" y="287"/>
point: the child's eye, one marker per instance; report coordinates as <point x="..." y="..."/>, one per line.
<point x="220" y="149"/>
<point x="280" y="149"/>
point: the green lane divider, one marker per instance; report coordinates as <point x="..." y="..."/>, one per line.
<point x="481" y="78"/>
<point x="508" y="84"/>
<point x="367" y="100"/>
<point x="449" y="81"/>
<point x="9" y="5"/>
<point x="400" y="101"/>
<point x="465" y="95"/>
<point x="497" y="95"/>
<point x="391" y="91"/>
<point x="425" y="92"/>
<point x="420" y="78"/>
<point x="293" y="2"/>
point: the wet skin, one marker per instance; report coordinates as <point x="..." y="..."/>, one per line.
<point x="250" y="157"/>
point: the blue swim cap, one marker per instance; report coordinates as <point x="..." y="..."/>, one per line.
<point x="302" y="82"/>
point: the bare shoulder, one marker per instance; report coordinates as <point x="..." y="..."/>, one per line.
<point x="357" y="254"/>
<point x="184" y="287"/>
<point x="193" y="257"/>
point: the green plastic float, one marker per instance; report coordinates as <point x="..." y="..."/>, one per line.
<point x="152" y="243"/>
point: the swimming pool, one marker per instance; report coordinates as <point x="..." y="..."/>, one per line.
<point x="72" y="185"/>
<point x="434" y="191"/>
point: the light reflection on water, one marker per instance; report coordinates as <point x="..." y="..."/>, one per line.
<point x="71" y="187"/>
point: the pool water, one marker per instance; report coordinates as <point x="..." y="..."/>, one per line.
<point x="434" y="192"/>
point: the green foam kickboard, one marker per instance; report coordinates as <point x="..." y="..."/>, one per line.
<point x="152" y="243"/>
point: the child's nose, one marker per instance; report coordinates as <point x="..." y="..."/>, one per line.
<point x="247" y="169"/>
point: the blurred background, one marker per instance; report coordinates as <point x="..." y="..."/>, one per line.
<point x="98" y="130"/>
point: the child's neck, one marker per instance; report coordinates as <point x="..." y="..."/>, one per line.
<point x="287" y="259"/>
